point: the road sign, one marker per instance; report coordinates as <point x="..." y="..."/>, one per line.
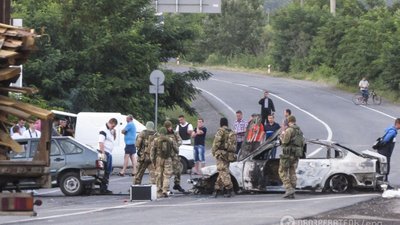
<point x="157" y="77"/>
<point x="153" y="89"/>
<point x="187" y="6"/>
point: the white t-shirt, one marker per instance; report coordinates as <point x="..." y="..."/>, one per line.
<point x="31" y="134"/>
<point x="189" y="128"/>
<point x="106" y="137"/>
<point x="16" y="136"/>
<point x="364" y="84"/>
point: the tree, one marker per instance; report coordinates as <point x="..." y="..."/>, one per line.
<point x="294" y="30"/>
<point x="237" y="29"/>
<point x="99" y="55"/>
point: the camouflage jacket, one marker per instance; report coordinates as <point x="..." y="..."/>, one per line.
<point x="219" y="141"/>
<point x="177" y="141"/>
<point x="156" y="151"/>
<point x="287" y="138"/>
<point x="144" y="143"/>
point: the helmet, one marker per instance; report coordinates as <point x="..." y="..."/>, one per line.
<point x="167" y="124"/>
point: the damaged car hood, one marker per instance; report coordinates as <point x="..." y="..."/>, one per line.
<point x="374" y="155"/>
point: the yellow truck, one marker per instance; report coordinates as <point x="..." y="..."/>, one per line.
<point x="16" y="44"/>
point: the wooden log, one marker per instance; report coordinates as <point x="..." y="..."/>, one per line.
<point x="9" y="73"/>
<point x="6" y="140"/>
<point x="32" y="110"/>
<point x="22" y="90"/>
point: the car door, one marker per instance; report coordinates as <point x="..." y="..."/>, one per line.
<point x="312" y="171"/>
<point x="57" y="159"/>
<point x="254" y="174"/>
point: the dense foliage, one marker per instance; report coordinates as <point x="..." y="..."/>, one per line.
<point x="362" y="39"/>
<point x="97" y="55"/>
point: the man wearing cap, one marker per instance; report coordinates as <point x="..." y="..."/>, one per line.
<point x="143" y="143"/>
<point x="292" y="149"/>
<point x="176" y="162"/>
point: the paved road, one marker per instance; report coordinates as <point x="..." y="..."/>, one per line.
<point x="322" y="112"/>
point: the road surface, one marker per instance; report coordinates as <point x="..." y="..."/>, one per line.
<point x="321" y="111"/>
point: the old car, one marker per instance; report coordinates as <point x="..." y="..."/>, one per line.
<point x="332" y="167"/>
<point x="74" y="167"/>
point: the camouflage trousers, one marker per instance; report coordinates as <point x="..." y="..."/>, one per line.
<point x="176" y="164"/>
<point x="224" y="177"/>
<point x="287" y="171"/>
<point x="163" y="174"/>
<point x="141" y="168"/>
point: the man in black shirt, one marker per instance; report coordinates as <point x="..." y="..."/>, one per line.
<point x="270" y="128"/>
<point x="199" y="136"/>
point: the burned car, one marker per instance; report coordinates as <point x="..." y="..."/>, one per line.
<point x="330" y="166"/>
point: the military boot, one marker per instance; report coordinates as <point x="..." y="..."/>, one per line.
<point x="228" y="193"/>
<point x="215" y="193"/>
<point x="178" y="187"/>
<point x="289" y="194"/>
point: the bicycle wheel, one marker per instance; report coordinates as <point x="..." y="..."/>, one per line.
<point x="358" y="99"/>
<point x="377" y="99"/>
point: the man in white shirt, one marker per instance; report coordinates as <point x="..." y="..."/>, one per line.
<point x="106" y="145"/>
<point x="31" y="132"/>
<point x="363" y="85"/>
<point x="21" y="125"/>
<point x="184" y="130"/>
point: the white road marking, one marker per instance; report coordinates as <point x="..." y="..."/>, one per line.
<point x="49" y="192"/>
<point x="211" y="202"/>
<point x="327" y="127"/>
<point x="220" y="100"/>
<point x="79" y="213"/>
<point x="377" y="111"/>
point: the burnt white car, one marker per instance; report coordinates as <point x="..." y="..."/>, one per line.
<point x="332" y="167"/>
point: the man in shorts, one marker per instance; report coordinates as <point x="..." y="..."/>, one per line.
<point x="130" y="149"/>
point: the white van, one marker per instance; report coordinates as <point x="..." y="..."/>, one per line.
<point x="88" y="125"/>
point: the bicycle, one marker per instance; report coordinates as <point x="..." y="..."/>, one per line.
<point x="373" y="97"/>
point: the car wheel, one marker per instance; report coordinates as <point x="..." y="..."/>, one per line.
<point x="339" y="183"/>
<point x="71" y="184"/>
<point x="183" y="165"/>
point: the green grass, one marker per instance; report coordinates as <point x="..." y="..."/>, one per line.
<point x="173" y="115"/>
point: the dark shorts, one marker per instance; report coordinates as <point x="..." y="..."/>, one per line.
<point x="130" y="149"/>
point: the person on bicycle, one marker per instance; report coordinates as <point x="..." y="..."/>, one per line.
<point x="363" y="85"/>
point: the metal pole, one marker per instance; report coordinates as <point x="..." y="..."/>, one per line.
<point x="177" y="6"/>
<point x="301" y="3"/>
<point x="201" y="6"/>
<point x="333" y="7"/>
<point x="156" y="107"/>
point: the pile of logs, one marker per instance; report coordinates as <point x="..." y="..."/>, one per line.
<point x="15" y="46"/>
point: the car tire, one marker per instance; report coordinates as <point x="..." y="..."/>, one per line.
<point x="71" y="184"/>
<point x="339" y="183"/>
<point x="184" y="165"/>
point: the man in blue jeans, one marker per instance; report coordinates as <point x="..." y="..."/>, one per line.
<point x="199" y="136"/>
<point x="389" y="140"/>
<point x="106" y="145"/>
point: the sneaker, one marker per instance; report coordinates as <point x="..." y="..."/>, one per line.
<point x="178" y="187"/>
<point x="165" y="195"/>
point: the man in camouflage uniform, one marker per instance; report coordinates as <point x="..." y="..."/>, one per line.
<point x="161" y="155"/>
<point x="292" y="149"/>
<point x="176" y="161"/>
<point x="144" y="144"/>
<point x="220" y="152"/>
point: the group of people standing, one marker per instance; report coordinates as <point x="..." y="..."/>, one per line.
<point x="248" y="136"/>
<point x="158" y="152"/>
<point x="19" y="130"/>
